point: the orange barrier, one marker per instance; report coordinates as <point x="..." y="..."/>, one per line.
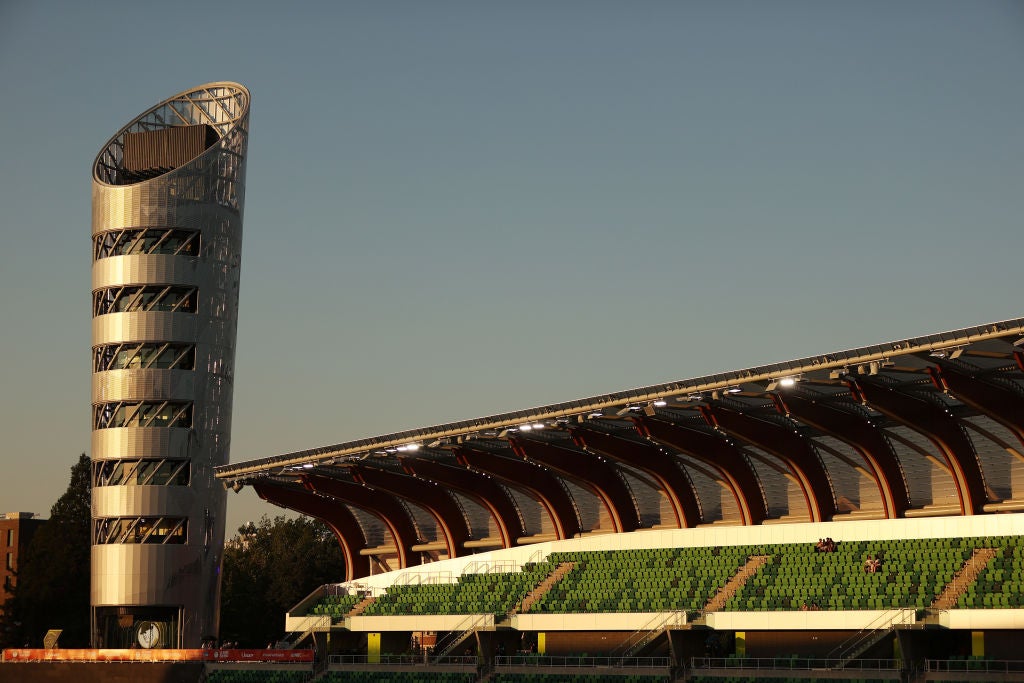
<point x="108" y="655"/>
<point x="57" y="655"/>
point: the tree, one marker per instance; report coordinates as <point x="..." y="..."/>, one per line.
<point x="268" y="568"/>
<point x="52" y="586"/>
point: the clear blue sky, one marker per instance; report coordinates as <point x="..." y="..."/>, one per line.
<point x="462" y="208"/>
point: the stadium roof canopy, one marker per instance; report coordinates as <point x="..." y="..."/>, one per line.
<point x="928" y="426"/>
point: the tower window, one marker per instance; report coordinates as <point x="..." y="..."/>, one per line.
<point x="136" y="298"/>
<point x="142" y="414"/>
<point x="144" y="530"/>
<point x="143" y="356"/>
<point x="141" y="472"/>
<point x="174" y="241"/>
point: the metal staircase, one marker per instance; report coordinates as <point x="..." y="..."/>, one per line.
<point x="647" y="633"/>
<point x="869" y="636"/>
<point x="467" y="627"/>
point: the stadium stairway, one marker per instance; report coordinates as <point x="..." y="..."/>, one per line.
<point x="358" y="608"/>
<point x="544" y="586"/>
<point x="737" y="581"/>
<point x="963" y="579"/>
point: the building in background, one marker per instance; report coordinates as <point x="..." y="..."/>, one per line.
<point x="16" y="532"/>
<point x="168" y="191"/>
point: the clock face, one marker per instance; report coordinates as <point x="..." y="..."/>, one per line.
<point x="148" y="634"/>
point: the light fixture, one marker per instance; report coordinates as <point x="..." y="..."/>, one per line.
<point x="660" y="403"/>
<point x="780" y="382"/>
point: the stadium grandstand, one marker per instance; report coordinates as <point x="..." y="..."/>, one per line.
<point x="854" y="515"/>
<point x="857" y="515"/>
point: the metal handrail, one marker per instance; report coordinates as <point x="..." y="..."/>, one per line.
<point x="649" y="631"/>
<point x="581" y="661"/>
<point x="796" y="663"/>
<point x="867" y="636"/>
<point x="974" y="665"/>
<point x="471" y="623"/>
<point x="401" y="660"/>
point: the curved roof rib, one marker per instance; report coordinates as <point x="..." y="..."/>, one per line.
<point x="586" y="470"/>
<point x="538" y="482"/>
<point x="833" y="419"/>
<point x="426" y="494"/>
<point x="650" y="458"/>
<point x="341" y="522"/>
<point x="395" y="517"/>
<point x="735" y="472"/>
<point x="480" y="487"/>
<point x="939" y="426"/>
<point x="833" y="429"/>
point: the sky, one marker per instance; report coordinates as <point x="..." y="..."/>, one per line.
<point x="456" y="209"/>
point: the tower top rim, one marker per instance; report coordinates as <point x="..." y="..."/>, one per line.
<point x="221" y="105"/>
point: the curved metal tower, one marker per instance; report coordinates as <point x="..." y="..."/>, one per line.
<point x="167" y="197"/>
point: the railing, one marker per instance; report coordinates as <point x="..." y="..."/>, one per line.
<point x="321" y="623"/>
<point x="794" y="663"/>
<point x="536" y="557"/>
<point x="979" y="666"/>
<point x="859" y="642"/>
<point x="649" y="632"/>
<point x="416" y="578"/>
<point x="401" y="660"/>
<point x="492" y="567"/>
<point x="458" y="634"/>
<point x="581" y="661"/>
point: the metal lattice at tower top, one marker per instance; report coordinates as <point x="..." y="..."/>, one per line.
<point x="168" y="193"/>
<point x="221" y="106"/>
<point x="217" y="173"/>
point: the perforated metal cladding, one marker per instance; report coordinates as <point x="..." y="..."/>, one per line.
<point x="709" y="491"/>
<point x="996" y="445"/>
<point x="536" y="520"/>
<point x="115" y="328"/>
<point x="930" y="483"/>
<point x="203" y="194"/>
<point x="138" y="501"/>
<point x="135" y="269"/>
<point x="128" y="442"/>
<point x="646" y="496"/>
<point x="481" y="523"/>
<point x="138" y="384"/>
<point x="172" y="574"/>
<point x="846" y="481"/>
<point x="776" y="486"/>
<point x="373" y="528"/>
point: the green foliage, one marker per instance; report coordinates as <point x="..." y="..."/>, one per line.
<point x="52" y="589"/>
<point x="268" y="568"/>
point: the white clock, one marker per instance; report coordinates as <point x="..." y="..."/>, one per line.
<point x="148" y="634"/>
